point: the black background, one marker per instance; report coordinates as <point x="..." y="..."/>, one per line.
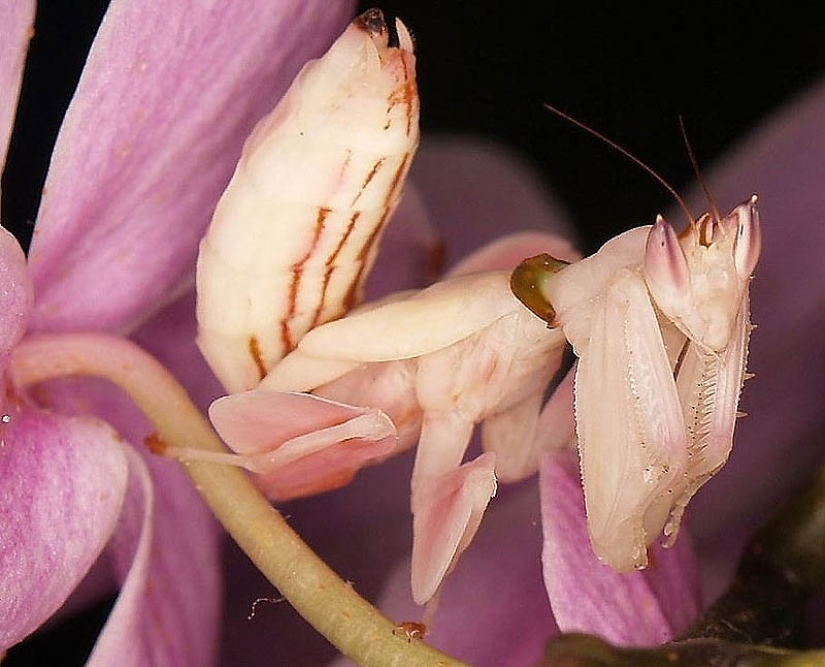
<point x="628" y="69"/>
<point x="486" y="68"/>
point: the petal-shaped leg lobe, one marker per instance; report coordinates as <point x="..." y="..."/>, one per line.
<point x="447" y="510"/>
<point x="301" y="444"/>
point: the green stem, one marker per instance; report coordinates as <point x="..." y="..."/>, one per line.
<point x="327" y="602"/>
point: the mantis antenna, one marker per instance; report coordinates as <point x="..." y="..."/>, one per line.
<point x="632" y="158"/>
<point x="699" y="177"/>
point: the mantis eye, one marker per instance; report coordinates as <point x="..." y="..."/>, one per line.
<point x="665" y="267"/>
<point x="748" y="238"/>
<point x="527" y="283"/>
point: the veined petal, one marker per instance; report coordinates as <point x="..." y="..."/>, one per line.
<point x="636" y="608"/>
<point x="166" y="555"/>
<point x="166" y="606"/>
<point x="63" y="484"/>
<point x="166" y="100"/>
<point x="16" y="25"/>
<point x="16" y="295"/>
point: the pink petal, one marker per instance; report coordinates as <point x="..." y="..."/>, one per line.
<point x="301" y="444"/>
<point x="63" y="484"/>
<point x="170" y="336"/>
<point x="508" y="251"/>
<point x="16" y="29"/>
<point x="476" y="191"/>
<point x="164" y="552"/>
<point x="638" y="608"/>
<point x="150" y="139"/>
<point x="784" y="163"/>
<point x="492" y="610"/>
<point x="16" y="295"/>
<point x="167" y="606"/>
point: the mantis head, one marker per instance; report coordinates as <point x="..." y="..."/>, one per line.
<point x="698" y="279"/>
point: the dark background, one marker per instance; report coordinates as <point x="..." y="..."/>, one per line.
<point x="629" y="69"/>
<point x="486" y="68"/>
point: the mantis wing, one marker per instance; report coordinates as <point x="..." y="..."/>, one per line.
<point x="629" y="422"/>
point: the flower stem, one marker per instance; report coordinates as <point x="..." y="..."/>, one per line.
<point x="327" y="602"/>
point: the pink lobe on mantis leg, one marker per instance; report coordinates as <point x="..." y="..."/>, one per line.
<point x="301" y="444"/>
<point x="16" y="25"/>
<point x="636" y="608"/>
<point x="447" y="512"/>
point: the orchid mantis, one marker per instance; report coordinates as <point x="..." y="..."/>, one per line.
<point x="319" y="390"/>
<point x="661" y="325"/>
<point x="460" y="353"/>
<point x="295" y="233"/>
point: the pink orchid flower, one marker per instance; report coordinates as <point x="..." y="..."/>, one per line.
<point x="167" y="97"/>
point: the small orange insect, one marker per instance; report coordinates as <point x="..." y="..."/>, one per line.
<point x="410" y="630"/>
